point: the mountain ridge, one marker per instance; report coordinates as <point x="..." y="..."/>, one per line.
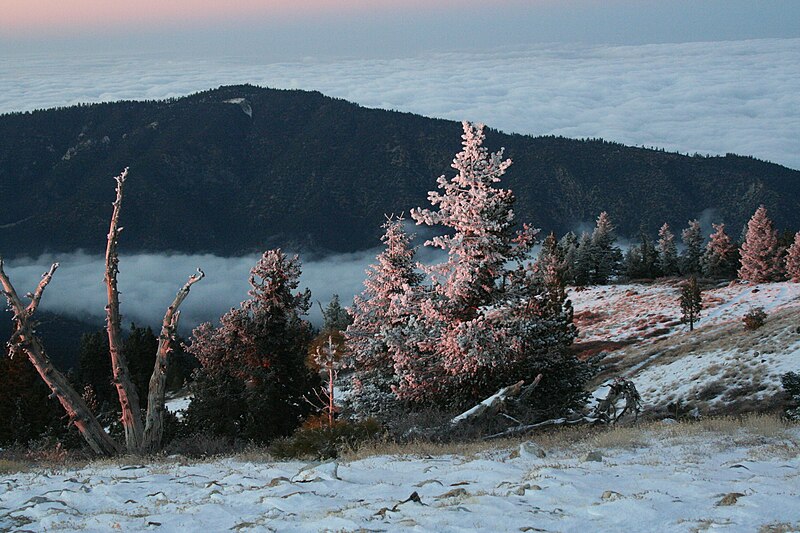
<point x="241" y="168"/>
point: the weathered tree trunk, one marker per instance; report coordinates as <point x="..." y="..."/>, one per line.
<point x="154" y="420"/>
<point x="128" y="397"/>
<point x="25" y="339"/>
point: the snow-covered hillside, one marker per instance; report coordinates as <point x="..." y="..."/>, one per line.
<point x="718" y="368"/>
<point x="666" y="478"/>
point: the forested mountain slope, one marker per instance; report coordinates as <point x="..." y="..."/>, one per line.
<point x="243" y="168"/>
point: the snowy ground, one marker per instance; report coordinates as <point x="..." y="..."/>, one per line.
<point x="666" y="478"/>
<point x="636" y="312"/>
<point x="718" y="368"/>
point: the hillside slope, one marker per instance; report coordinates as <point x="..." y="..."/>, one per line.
<point x="242" y="168"/>
<point x="719" y="368"/>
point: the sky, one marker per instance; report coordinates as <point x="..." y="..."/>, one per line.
<point x="292" y="29"/>
<point x="708" y="76"/>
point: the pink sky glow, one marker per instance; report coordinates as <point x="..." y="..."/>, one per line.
<point x="60" y="16"/>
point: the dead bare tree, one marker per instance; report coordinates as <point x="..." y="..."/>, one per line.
<point x="140" y="437"/>
<point x="25" y="340"/>
<point x="326" y="358"/>
<point x="128" y="398"/>
<point x="154" y="420"/>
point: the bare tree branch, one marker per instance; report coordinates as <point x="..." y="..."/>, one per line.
<point x="37" y="295"/>
<point x="128" y="397"/>
<point x="24" y="339"/>
<point x="154" y="420"/>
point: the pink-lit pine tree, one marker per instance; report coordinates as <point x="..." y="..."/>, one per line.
<point x="761" y="260"/>
<point x="793" y="260"/>
<point x="376" y="314"/>
<point x="667" y="252"/>
<point x="719" y="259"/>
<point x="483" y="321"/>
<point x="481" y="223"/>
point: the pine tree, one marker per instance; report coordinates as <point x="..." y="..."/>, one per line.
<point x="720" y="257"/>
<point x="641" y="261"/>
<point x="793" y="260"/>
<point x="667" y="252"/>
<point x="335" y="317"/>
<point x="253" y="376"/>
<point x="568" y="253"/>
<point x="549" y="263"/>
<point x="26" y="413"/>
<point x="482" y="321"/>
<point x="691" y="302"/>
<point x="377" y="313"/>
<point x="693" y="253"/>
<point x="584" y="261"/>
<point x="607" y="257"/>
<point x="760" y="257"/>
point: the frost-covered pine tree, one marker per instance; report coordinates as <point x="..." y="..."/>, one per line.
<point x="793" y="260"/>
<point x="760" y="260"/>
<point x="549" y="262"/>
<point x="719" y="259"/>
<point x="667" y="252"/>
<point x="484" y="319"/>
<point x="693" y="253"/>
<point x="480" y="243"/>
<point x="607" y="257"/>
<point x="481" y="223"/>
<point x="376" y="314"/>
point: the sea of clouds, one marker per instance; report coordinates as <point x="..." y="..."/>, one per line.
<point x="716" y="97"/>
<point x="148" y="283"/>
<point x="711" y="97"/>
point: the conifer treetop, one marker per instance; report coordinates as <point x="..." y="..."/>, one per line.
<point x="760" y="256"/>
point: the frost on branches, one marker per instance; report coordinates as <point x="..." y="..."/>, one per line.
<point x="793" y="260"/>
<point x="377" y="315"/>
<point x="253" y="376"/>
<point x="760" y="257"/>
<point x="484" y="319"/>
<point x="720" y="257"/>
<point x="667" y="252"/>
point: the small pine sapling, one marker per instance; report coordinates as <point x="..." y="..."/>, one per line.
<point x="754" y="319"/>
<point x="691" y="302"/>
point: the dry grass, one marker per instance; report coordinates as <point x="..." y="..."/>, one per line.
<point x="9" y="466"/>
<point x="769" y="436"/>
<point x="749" y="429"/>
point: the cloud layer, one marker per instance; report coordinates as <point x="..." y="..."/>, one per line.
<point x="741" y="96"/>
<point x="148" y="283"/>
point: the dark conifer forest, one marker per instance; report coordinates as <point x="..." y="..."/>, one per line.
<point x="241" y="169"/>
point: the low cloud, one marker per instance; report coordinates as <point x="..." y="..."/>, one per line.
<point x="711" y="97"/>
<point x="148" y="283"/>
